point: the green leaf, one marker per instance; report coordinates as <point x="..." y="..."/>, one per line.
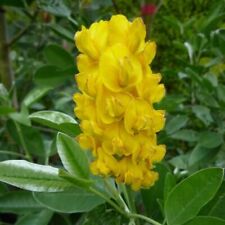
<point x="53" y="76"/>
<point x="200" y="154"/>
<point x="3" y="188"/>
<point x="108" y="217"/>
<point x="56" y="7"/>
<point x="221" y="92"/>
<point x="35" y="94"/>
<point x="72" y="156"/>
<point x="176" y="123"/>
<point x="5" y="110"/>
<point x="170" y="182"/>
<point x="41" y="218"/>
<point x="210" y="139"/>
<point x="180" y="161"/>
<point x="188" y="197"/>
<point x="171" y="102"/>
<point x="21" y="117"/>
<point x="216" y="207"/>
<point x="151" y="195"/>
<point x="56" y="120"/>
<point x="186" y="135"/>
<point x="58" y="56"/>
<point x="32" y="177"/>
<point x="70" y="202"/>
<point x="61" y="31"/>
<point x="190" y="51"/>
<point x="31" y="138"/>
<point x="4" y="95"/>
<point x="77" y="181"/>
<point x="13" y="3"/>
<point x="203" y="113"/>
<point x="206" y="220"/>
<point x="18" y="202"/>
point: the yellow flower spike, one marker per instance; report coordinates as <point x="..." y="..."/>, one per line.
<point x="138" y="117"/>
<point x="111" y="106"/>
<point x="115" y="103"/>
<point x="117" y="141"/>
<point x="119" y="69"/>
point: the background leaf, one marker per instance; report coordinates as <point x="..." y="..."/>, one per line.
<point x="73" y="157"/>
<point x="41" y="218"/>
<point x="185" y="200"/>
<point x="206" y="221"/>
<point x="56" y="120"/>
<point x="32" y="177"/>
<point x="18" y="202"/>
<point x="70" y="202"/>
<point x="58" y="56"/>
<point x="176" y="123"/>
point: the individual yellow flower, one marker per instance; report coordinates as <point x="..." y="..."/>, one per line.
<point x="115" y="105"/>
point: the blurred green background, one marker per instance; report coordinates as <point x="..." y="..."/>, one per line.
<point x="37" y="68"/>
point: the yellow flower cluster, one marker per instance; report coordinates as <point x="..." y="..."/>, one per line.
<point x="115" y="106"/>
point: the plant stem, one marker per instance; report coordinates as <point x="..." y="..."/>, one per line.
<point x="74" y="22"/>
<point x="23" y="143"/>
<point x="147" y="219"/>
<point x="6" y="73"/>
<point x="126" y="213"/>
<point x="130" y="199"/>
<point x="12" y="153"/>
<point x="150" y="22"/>
<point x="113" y="204"/>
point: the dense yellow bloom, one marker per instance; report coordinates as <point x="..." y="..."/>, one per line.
<point x="115" y="103"/>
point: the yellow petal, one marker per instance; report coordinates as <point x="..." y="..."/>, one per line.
<point x="88" y="83"/>
<point x="150" y="89"/>
<point x="118" y="69"/>
<point x="138" y="117"/>
<point x="85" y="63"/>
<point x="118" y="28"/>
<point x="111" y="106"/>
<point x="84" y="105"/>
<point x="93" y="40"/>
<point x="148" y="54"/>
<point x="136" y="36"/>
<point x="85" y="44"/>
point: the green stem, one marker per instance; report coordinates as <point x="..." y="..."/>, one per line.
<point x="74" y="22"/>
<point x="23" y="143"/>
<point x="117" y="196"/>
<point x="12" y="153"/>
<point x="147" y="219"/>
<point x="6" y="72"/>
<point x="130" y="200"/>
<point x="113" y="204"/>
<point x="129" y="215"/>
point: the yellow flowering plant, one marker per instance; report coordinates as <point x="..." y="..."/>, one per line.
<point x="115" y="104"/>
<point x="110" y="156"/>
